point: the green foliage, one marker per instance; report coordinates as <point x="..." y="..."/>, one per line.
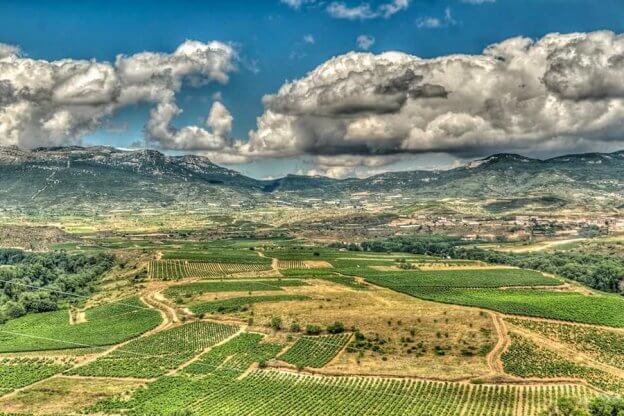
<point x="105" y="325"/>
<point x="315" y="351"/>
<point x="606" y="406"/>
<point x="39" y="282"/>
<point x="566" y="406"/>
<point x="154" y="355"/>
<point x="240" y="304"/>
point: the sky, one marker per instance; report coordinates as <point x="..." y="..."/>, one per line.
<point x="271" y="87"/>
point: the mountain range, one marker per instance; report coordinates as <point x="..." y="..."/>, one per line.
<point x="79" y="178"/>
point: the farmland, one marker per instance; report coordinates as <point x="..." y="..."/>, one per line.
<point x="156" y="354"/>
<point x="315" y="351"/>
<point x="105" y="325"/>
<point x="292" y="328"/>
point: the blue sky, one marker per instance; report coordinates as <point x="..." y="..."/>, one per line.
<point x="275" y="42"/>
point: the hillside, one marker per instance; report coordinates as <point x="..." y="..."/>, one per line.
<point x="88" y="177"/>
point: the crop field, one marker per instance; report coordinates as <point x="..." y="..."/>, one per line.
<point x="239" y="304"/>
<point x="291" y="264"/>
<point x="218" y="255"/>
<point x="180" y="269"/>
<point x="277" y="393"/>
<point x="20" y="372"/>
<point x="315" y="351"/>
<point x="526" y="359"/>
<point x="486" y="278"/>
<point x="235" y="356"/>
<point x="603" y="345"/>
<point x="154" y="355"/>
<point x="198" y="288"/>
<point x="605" y="310"/>
<point x="105" y="325"/>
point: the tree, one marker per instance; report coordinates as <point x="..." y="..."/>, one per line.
<point x="606" y="406"/>
<point x="566" y="406"/>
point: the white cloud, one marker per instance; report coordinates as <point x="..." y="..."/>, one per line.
<point x="296" y="4"/>
<point x="478" y="1"/>
<point x="364" y="11"/>
<point x="8" y="50"/>
<point x="365" y="42"/>
<point x="435" y="22"/>
<point x="309" y="39"/>
<point x="57" y="102"/>
<point x="558" y="92"/>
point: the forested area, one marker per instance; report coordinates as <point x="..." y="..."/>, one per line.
<point x="41" y="282"/>
<point x="595" y="270"/>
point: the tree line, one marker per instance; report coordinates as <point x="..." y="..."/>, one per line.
<point x="598" y="271"/>
<point x="42" y="282"/>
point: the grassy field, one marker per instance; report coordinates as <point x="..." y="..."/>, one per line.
<point x="199" y="288"/>
<point x="105" y="325"/>
<point x="240" y="304"/>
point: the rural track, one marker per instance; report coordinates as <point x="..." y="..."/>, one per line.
<point x="494" y="357"/>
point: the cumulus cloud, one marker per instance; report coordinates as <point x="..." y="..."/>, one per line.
<point x="558" y="92"/>
<point x="8" y="50"/>
<point x="309" y="39"/>
<point x="365" y="42"/>
<point x="57" y="102"/>
<point x="364" y="11"/>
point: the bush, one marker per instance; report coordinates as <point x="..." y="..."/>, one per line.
<point x="313" y="329"/>
<point x="276" y="323"/>
<point x="336" y="328"/>
<point x="295" y="327"/>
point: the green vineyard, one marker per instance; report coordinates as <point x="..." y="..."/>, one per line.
<point x="277" y="393"/>
<point x="180" y="269"/>
<point x="315" y="351"/>
<point x="105" y="325"/>
<point x="235" y="356"/>
<point x="154" y="355"/>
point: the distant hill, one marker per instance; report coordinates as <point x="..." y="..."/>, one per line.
<point x="83" y="178"/>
